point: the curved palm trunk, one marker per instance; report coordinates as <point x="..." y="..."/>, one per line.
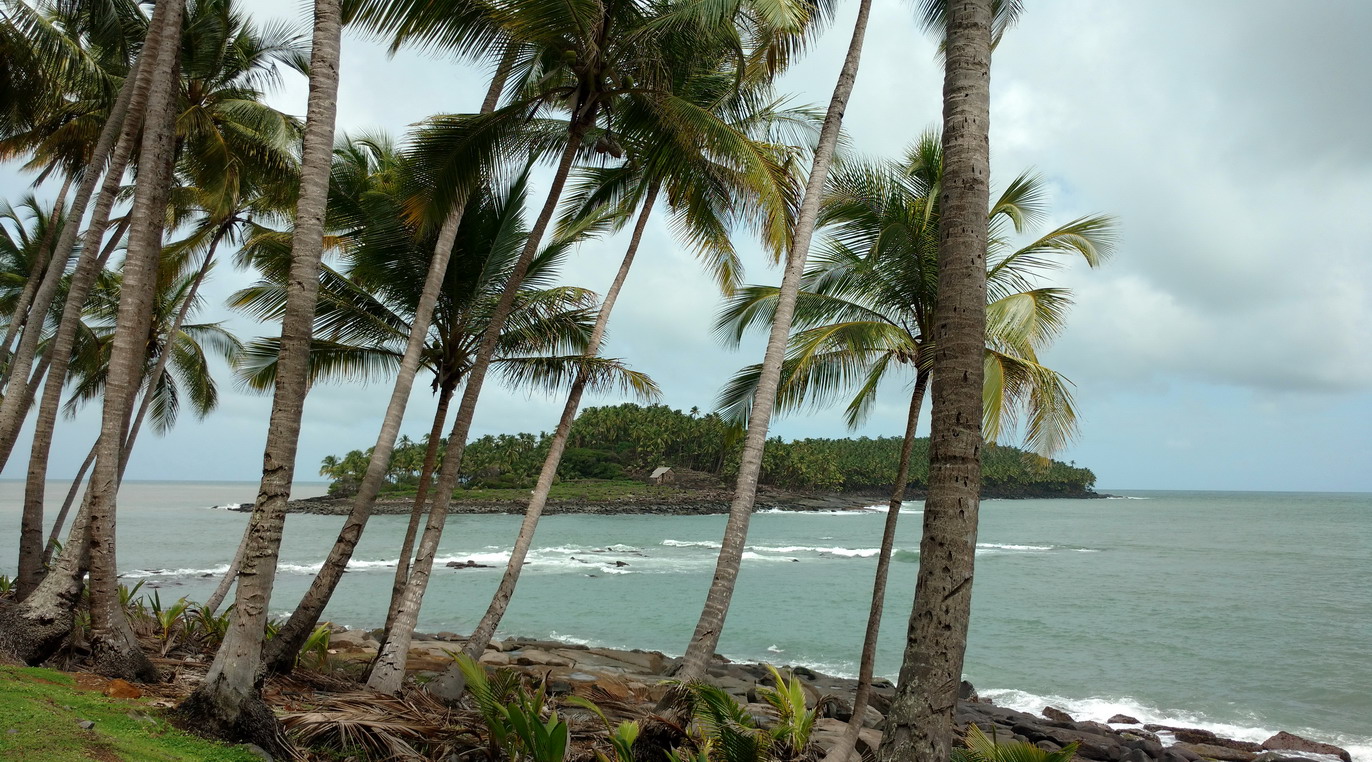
<point x="449" y="685"/>
<point x="45" y="265"/>
<point x="711" y="623"/>
<point x="867" y="663"/>
<point x="115" y="651"/>
<point x="920" y="723"/>
<point x="115" y="137"/>
<point x="221" y="591"/>
<point x="421" y="495"/>
<point x="227" y="703"/>
<point x="281" y="651"/>
<point x="35" y="628"/>
<point x="388" y="671"/>
<point x="70" y="500"/>
<point x="137" y="86"/>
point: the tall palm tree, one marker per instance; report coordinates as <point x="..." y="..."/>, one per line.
<point x="53" y="49"/>
<point x="867" y="307"/>
<point x="704" y="144"/>
<point x="367" y="315"/>
<point x="114" y="648"/>
<point x="920" y="723"/>
<point x="586" y="56"/>
<point x="227" y="702"/>
<point x="711" y="623"/>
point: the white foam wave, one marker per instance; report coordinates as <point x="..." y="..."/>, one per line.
<point x="1011" y="546"/>
<point x="1101" y="708"/>
<point x="795" y="512"/>
<point x="690" y="544"/>
<point x="834" y="551"/>
<point x="147" y="573"/>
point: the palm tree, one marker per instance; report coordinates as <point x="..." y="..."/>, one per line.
<point x="867" y="308"/>
<point x="53" y="52"/>
<point x="235" y="153"/>
<point x="585" y="57"/>
<point x="700" y="144"/>
<point x="114" y="648"/>
<point x="920" y="722"/>
<point x="711" y="623"/>
<point x="226" y="703"/>
<point x="368" y="312"/>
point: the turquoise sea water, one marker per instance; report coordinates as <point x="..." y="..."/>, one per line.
<point x="1243" y="612"/>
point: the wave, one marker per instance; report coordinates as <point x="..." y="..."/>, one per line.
<point x="1101" y="708"/>
<point x="836" y="512"/>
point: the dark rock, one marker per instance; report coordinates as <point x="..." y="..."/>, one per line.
<point x="468" y="564"/>
<point x="1184" y="753"/>
<point x="1123" y="719"/>
<point x="1136" y="755"/>
<point x="1215" y="751"/>
<point x="1057" y="715"/>
<point x="1292" y="742"/>
<point x="86" y="725"/>
<point x="1048" y="746"/>
<point x="1175" y="755"/>
<point x="966" y="692"/>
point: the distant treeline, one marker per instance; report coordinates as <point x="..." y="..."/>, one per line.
<point x="627" y="441"/>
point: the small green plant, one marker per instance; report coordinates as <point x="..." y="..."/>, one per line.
<point x="315" y="652"/>
<point x="621" y="737"/>
<point x="515" y="715"/>
<point x="984" y="748"/>
<point x="169" y="620"/>
<point x="6" y="586"/>
<point x="791" y="736"/>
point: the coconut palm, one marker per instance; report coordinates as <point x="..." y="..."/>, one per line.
<point x="711" y="623"/>
<point x="227" y="703"/>
<point x="234" y="153"/>
<point x="867" y="307"/>
<point x="368" y="312"/>
<point x="582" y="58"/>
<point x="705" y="145"/>
<point x="920" y="723"/>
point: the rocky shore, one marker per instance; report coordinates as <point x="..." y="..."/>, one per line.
<point x="636" y="678"/>
<point x="695" y="503"/>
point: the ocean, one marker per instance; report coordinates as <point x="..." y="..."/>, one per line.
<point x="1241" y="612"/>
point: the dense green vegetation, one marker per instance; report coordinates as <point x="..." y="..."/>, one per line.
<point x="627" y="441"/>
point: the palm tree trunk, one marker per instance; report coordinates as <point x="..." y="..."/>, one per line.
<point x="227" y="704"/>
<point x="402" y="564"/>
<point x="164" y="357"/>
<point x="388" y="671"/>
<point x="282" y="650"/>
<point x="70" y="500"/>
<point x="449" y="684"/>
<point x="920" y="723"/>
<point x="48" y="258"/>
<point x="34" y="629"/>
<point x="115" y="651"/>
<point x="131" y="99"/>
<point x="137" y="86"/>
<point x="711" y="624"/>
<point x="221" y="591"/>
<point x="867" y="663"/>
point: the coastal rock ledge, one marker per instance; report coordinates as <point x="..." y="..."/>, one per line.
<point x="637" y="678"/>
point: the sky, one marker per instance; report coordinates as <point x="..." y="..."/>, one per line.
<point x="1223" y="346"/>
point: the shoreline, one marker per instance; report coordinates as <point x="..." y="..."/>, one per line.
<point x="710" y="502"/>
<point x="636" y="677"/>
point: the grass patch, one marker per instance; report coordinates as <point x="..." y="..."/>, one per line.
<point x="41" y="711"/>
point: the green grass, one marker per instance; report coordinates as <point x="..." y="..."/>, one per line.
<point x="591" y="490"/>
<point x="40" y="712"/>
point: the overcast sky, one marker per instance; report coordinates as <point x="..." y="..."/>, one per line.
<point x="1225" y="346"/>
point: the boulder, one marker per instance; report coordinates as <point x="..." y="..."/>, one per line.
<point x="495" y="659"/>
<point x="1057" y="715"/>
<point x="1215" y="751"/>
<point x="534" y="657"/>
<point x="1123" y="719"/>
<point x="1291" y="742"/>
